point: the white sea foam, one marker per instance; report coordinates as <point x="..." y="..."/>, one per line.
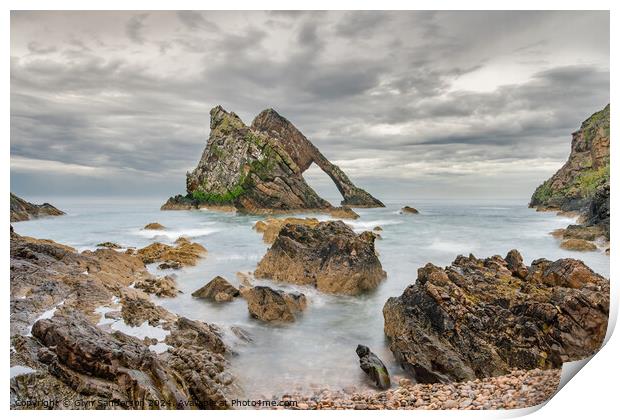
<point x="141" y="331"/>
<point x="45" y="315"/>
<point x="360" y="226"/>
<point x="173" y="234"/>
<point x="20" y="370"/>
<point x="452" y="247"/>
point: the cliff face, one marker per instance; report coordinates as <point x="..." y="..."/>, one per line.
<point x="258" y="169"/>
<point x="22" y="210"/>
<point x="582" y="184"/>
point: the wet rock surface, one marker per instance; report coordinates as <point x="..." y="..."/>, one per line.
<point x="409" y="210"/>
<point x="63" y="349"/>
<point x="328" y="256"/>
<point x="373" y="367"/>
<point x="218" y="290"/>
<point x="23" y="210"/>
<point x="271" y="305"/>
<point x="154" y="226"/>
<point x="183" y="252"/>
<point x="484" y="317"/>
<point x="160" y="286"/>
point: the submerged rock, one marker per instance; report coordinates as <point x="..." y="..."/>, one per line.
<point x="22" y="210"/>
<point x="373" y="367"/>
<point x="218" y="290"/>
<point x="183" y="252"/>
<point x="578" y="245"/>
<point x="154" y="226"/>
<point x="344" y="213"/>
<point x="258" y="169"/>
<point x="270" y="305"/>
<point x="328" y="256"/>
<point x="480" y="318"/>
<point x="408" y="210"/>
<point x="111" y="245"/>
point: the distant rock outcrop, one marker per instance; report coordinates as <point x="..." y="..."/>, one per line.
<point x="258" y="169"/>
<point x="582" y="184"/>
<point x="22" y="210"/>
<point x="485" y="317"/>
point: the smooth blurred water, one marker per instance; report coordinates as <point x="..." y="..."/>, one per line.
<point x="318" y="350"/>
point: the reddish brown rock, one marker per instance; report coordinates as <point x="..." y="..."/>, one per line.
<point x="480" y="317"/>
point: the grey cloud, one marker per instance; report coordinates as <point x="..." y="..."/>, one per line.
<point x="134" y="28"/>
<point x="360" y="85"/>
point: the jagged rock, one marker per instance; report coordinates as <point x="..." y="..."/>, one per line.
<point x="112" y="366"/>
<point x="198" y="355"/>
<point x="111" y="245"/>
<point x="22" y="210"/>
<point x="373" y="367"/>
<point x="409" y="210"/>
<point x="160" y="286"/>
<point x="218" y="289"/>
<point x="377" y="229"/>
<point x="476" y="319"/>
<point x="137" y="309"/>
<point x="328" y="256"/>
<point x="258" y="169"/>
<point x="599" y="211"/>
<point x="514" y="263"/>
<point x="578" y="245"/>
<point x="45" y="275"/>
<point x="154" y="226"/>
<point x="271" y="227"/>
<point x="582" y="184"/>
<point x="183" y="252"/>
<point x="270" y="305"/>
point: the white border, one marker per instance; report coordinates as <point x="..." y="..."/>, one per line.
<point x="593" y="393"/>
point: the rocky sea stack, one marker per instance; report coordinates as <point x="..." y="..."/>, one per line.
<point x="22" y="210"/>
<point x="258" y="169"/>
<point x="328" y="256"/>
<point x="582" y="184"/>
<point x="485" y="317"/>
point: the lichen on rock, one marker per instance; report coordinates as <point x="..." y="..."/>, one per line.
<point x="258" y="169"/>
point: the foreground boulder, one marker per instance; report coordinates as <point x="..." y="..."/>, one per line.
<point x="258" y="169"/>
<point x="328" y="256"/>
<point x="218" y="290"/>
<point x="271" y="305"/>
<point x="182" y="253"/>
<point x="22" y="210"/>
<point x="484" y="317"/>
<point x="373" y="367"/>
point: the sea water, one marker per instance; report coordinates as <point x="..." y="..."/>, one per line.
<point x="318" y="350"/>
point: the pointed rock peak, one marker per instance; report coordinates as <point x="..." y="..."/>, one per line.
<point x="268" y="119"/>
<point x="220" y="118"/>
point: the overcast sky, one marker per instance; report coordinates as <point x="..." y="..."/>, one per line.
<point x="421" y="104"/>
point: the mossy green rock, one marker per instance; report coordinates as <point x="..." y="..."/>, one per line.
<point x="258" y="169"/>
<point x="582" y="184"/>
